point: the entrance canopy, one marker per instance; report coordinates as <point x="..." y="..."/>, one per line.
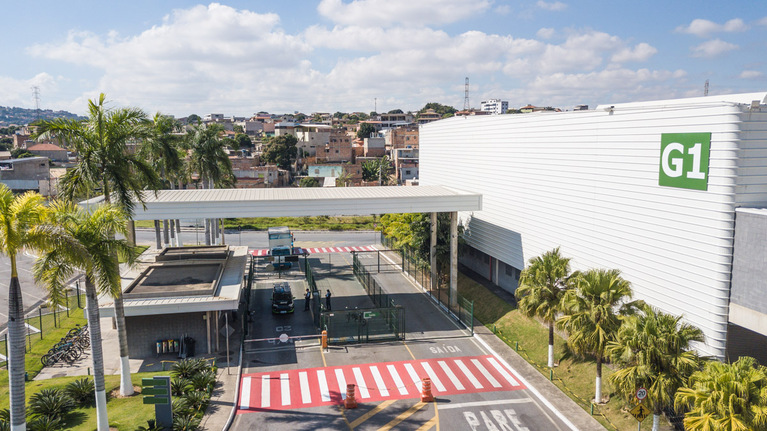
<point x="296" y="202"/>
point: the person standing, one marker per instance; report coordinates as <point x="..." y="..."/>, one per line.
<point x="307" y="298"/>
<point x="327" y="300"/>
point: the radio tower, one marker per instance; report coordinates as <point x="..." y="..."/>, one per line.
<point x="466" y="95"/>
<point x="36" y="91"/>
<point x="705" y="88"/>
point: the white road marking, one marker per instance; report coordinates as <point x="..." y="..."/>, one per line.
<point x="285" y="389"/>
<point x="486" y="373"/>
<point x="457" y="383"/>
<point x="306" y="395"/>
<point x="379" y="381"/>
<point x="413" y="376"/>
<point x="484" y="403"/>
<point x="245" y="394"/>
<point x="324" y="391"/>
<point x="265" y="401"/>
<point x="341" y="382"/>
<point x="397" y="380"/>
<point x="361" y="383"/>
<point x="433" y="376"/>
<point x="466" y="372"/>
<point x="503" y="371"/>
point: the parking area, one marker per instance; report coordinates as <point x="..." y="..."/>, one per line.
<point x="289" y="382"/>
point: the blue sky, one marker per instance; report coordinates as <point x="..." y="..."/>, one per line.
<point x="240" y="57"/>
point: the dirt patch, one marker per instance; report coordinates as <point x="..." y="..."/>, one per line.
<point x="116" y="393"/>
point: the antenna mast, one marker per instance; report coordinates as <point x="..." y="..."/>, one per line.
<point x="36" y="91"/>
<point x="705" y="88"/>
<point x="466" y="95"/>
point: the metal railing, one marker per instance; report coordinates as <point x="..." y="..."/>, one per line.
<point x="364" y="325"/>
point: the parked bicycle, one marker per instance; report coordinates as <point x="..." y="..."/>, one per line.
<point x="69" y="348"/>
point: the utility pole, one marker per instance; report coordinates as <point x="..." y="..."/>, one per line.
<point x="375" y="105"/>
<point x="705" y="88"/>
<point x="466" y="104"/>
<point x="36" y="91"/>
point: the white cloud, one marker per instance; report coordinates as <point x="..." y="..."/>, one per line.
<point x="712" y="48"/>
<point x="704" y="27"/>
<point x="553" y="6"/>
<point x="580" y="52"/>
<point x="641" y="52"/>
<point x="18" y="92"/>
<point x="762" y="21"/>
<point x="750" y="74"/>
<point x="391" y="12"/>
<point x="546" y="33"/>
<point x="502" y="9"/>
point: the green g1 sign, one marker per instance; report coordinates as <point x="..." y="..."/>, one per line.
<point x="684" y="160"/>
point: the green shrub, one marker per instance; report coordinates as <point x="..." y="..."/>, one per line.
<point x="179" y="386"/>
<point x="53" y="403"/>
<point x="44" y="423"/>
<point x="197" y="401"/>
<point x="150" y="426"/>
<point x="82" y="392"/>
<point x="185" y="423"/>
<point x="203" y="380"/>
<point x="186" y="368"/>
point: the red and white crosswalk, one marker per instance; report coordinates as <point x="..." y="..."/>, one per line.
<point x="265" y="251"/>
<point x="312" y="387"/>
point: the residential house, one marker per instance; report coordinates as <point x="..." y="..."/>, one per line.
<point x="52" y="152"/>
<point x="428" y="116"/>
<point x="25" y="174"/>
<point x="405" y="164"/>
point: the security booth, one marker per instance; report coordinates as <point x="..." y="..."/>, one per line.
<point x="180" y="305"/>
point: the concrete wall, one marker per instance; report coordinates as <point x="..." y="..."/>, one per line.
<point x="145" y="331"/>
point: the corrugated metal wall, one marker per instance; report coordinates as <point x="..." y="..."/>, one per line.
<point x="588" y="181"/>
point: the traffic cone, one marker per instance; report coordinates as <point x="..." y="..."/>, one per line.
<point x="426" y="395"/>
<point x="350" y="402"/>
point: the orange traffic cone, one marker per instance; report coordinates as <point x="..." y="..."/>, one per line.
<point x="350" y="402"/>
<point x="426" y="395"/>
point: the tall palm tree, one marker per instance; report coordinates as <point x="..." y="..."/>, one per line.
<point x="541" y="288"/>
<point x="726" y="397"/>
<point x="101" y="142"/>
<point x="210" y="161"/>
<point x="18" y="214"/>
<point x="593" y="312"/>
<point x="653" y="351"/>
<point x="83" y="241"/>
<point x="161" y="150"/>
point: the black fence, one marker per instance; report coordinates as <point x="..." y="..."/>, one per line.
<point x="369" y="283"/>
<point x="364" y="325"/>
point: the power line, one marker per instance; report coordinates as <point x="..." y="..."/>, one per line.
<point x="36" y="91"/>
<point x="705" y="89"/>
<point x="466" y="95"/>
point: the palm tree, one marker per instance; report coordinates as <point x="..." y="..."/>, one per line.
<point x="725" y="397"/>
<point x="18" y="214"/>
<point x="161" y="150"/>
<point x="210" y="161"/>
<point x="101" y="142"/>
<point x="653" y="351"/>
<point x="593" y="312"/>
<point x="83" y="241"/>
<point x="541" y="288"/>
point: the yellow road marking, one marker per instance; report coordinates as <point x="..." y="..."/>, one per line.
<point x="396" y="421"/>
<point x="370" y="414"/>
<point x="343" y="415"/>
<point x="428" y="425"/>
<point x="436" y="413"/>
<point x="408" y="350"/>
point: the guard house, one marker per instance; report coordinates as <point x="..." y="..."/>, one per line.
<point x="183" y="295"/>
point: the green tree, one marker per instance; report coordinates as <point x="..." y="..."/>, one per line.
<point x="443" y="110"/>
<point x="542" y="286"/>
<point x="238" y="129"/>
<point x="309" y="182"/>
<point x="193" y="119"/>
<point x="395" y="111"/>
<point x="344" y="179"/>
<point x="21" y="153"/>
<point x="18" y="215"/>
<point x="85" y="241"/>
<point x="161" y="148"/>
<point x="377" y="170"/>
<point x="243" y="141"/>
<point x="281" y="151"/>
<point x="593" y="312"/>
<point x="365" y="130"/>
<point x="725" y="397"/>
<point x="101" y="142"/>
<point x="653" y="351"/>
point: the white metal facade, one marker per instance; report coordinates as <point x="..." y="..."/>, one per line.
<point x="588" y="181"/>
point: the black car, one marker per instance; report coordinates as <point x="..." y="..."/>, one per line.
<point x="282" y="298"/>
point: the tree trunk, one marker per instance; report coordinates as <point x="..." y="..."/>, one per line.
<point x="94" y="329"/>
<point x="157" y="235"/>
<point x="551" y="344"/>
<point x="126" y="386"/>
<point x="656" y="422"/>
<point x="165" y="236"/>
<point x="598" y="392"/>
<point x="16" y="352"/>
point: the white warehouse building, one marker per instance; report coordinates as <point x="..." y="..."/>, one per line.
<point x="650" y="188"/>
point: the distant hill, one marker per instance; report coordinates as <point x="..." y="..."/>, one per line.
<point x="22" y="116"/>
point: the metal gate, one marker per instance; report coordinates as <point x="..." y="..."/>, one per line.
<point x="364" y="325"/>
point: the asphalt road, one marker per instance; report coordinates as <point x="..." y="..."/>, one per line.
<point x="292" y="384"/>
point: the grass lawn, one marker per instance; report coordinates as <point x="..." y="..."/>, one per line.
<point x="294" y="223"/>
<point x="574" y="378"/>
